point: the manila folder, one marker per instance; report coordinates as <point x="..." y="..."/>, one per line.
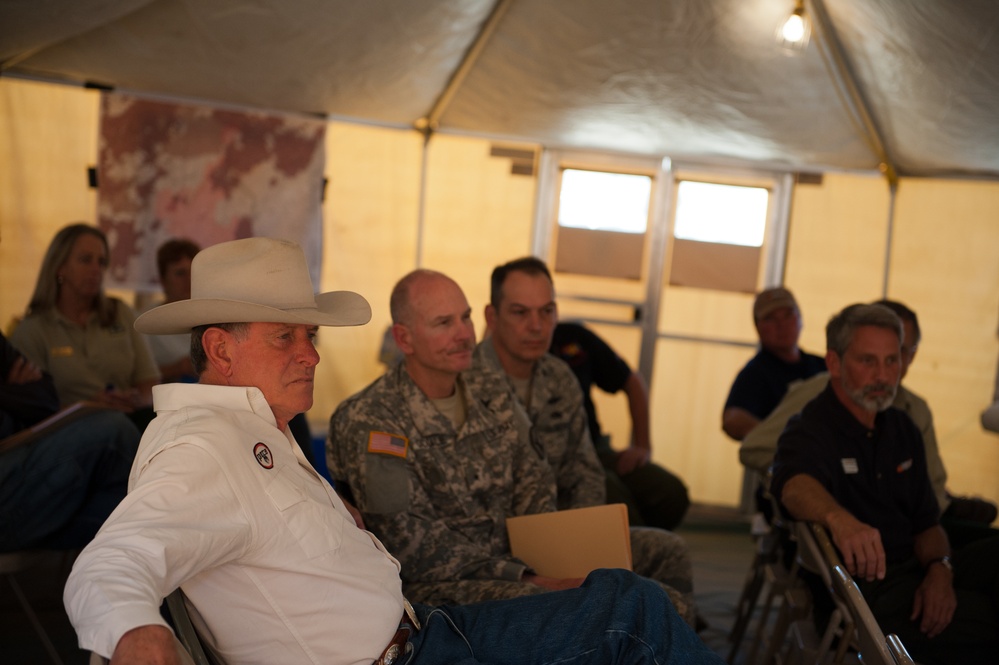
<point x="571" y="543"/>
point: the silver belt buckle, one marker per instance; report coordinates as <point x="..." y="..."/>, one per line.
<point x="411" y="613"/>
<point x="391" y="654"/>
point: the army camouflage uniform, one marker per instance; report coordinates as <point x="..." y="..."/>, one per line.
<point x="438" y="499"/>
<point x="556" y="411"/>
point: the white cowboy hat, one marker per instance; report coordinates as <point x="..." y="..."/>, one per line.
<point x="254" y="280"/>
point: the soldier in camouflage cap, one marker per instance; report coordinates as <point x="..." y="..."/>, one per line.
<point x="434" y="468"/>
<point x="521" y="319"/>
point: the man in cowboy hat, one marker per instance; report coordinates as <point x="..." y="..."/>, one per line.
<point x="223" y="504"/>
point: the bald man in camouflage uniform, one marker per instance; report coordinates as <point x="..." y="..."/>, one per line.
<point x="521" y="319"/>
<point x="434" y="469"/>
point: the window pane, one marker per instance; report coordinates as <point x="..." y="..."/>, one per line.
<point x="603" y="201"/>
<point x="728" y="214"/>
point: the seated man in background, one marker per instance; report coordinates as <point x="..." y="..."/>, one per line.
<point x="222" y="503"/>
<point x="758" y="448"/>
<point x="521" y="317"/>
<point x="854" y="464"/>
<point x="654" y="496"/>
<point x="172" y="353"/>
<point x="434" y="468"/>
<point x="56" y="487"/>
<point x="761" y="384"/>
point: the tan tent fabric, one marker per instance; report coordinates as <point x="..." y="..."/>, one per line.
<point x="685" y="78"/>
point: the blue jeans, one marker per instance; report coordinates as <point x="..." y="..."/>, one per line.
<point x="614" y="617"/>
<point x="56" y="492"/>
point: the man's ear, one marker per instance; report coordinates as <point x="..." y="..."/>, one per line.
<point x="217" y="344"/>
<point x="490" y="317"/>
<point x="403" y="338"/>
<point x="833" y="363"/>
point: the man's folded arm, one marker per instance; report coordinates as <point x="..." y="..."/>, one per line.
<point x="151" y="544"/>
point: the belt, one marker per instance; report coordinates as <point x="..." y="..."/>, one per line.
<point x="408" y="625"/>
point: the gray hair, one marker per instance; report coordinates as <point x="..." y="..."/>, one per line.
<point x="841" y="328"/>
<point x="198" y="356"/>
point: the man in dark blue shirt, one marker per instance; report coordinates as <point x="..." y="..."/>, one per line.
<point x="856" y="465"/>
<point x="761" y="384"/>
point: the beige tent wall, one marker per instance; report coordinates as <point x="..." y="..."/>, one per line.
<point x="48" y="138"/>
<point x="369" y="239"/>
<point x="943" y="263"/>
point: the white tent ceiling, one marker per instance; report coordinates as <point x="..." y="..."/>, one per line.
<point x="917" y="86"/>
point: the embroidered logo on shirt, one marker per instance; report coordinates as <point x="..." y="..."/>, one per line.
<point x="388" y="444"/>
<point x="263" y="455"/>
<point x="849" y="465"/>
<point x="61" y="351"/>
<point x="904" y="466"/>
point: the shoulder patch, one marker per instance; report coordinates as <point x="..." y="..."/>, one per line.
<point x="388" y="444"/>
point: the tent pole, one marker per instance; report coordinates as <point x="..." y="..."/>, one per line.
<point x="843" y="75"/>
<point x="432" y="119"/>
<point x="422" y="205"/>
<point x="892" y="191"/>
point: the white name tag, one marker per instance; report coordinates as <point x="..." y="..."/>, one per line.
<point x="849" y="465"/>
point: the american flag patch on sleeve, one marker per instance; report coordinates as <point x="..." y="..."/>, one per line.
<point x="388" y="444"/>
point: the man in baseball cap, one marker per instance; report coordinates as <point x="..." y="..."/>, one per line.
<point x="760" y="385"/>
<point x="223" y="504"/>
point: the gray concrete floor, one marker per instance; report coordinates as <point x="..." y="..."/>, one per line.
<point x="722" y="551"/>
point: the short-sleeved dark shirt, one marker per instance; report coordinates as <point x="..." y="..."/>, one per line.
<point x="592" y="361"/>
<point x="762" y="383"/>
<point x="878" y="475"/>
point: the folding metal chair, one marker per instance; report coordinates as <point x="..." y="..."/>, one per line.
<point x="898" y="651"/>
<point x="186" y="633"/>
<point x="871" y="642"/>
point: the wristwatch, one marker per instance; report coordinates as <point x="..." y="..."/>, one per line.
<point x="944" y="560"/>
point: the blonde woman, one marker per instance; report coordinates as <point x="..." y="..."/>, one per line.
<point x="82" y="337"/>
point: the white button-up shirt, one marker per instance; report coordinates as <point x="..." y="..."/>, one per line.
<point x="225" y="505"/>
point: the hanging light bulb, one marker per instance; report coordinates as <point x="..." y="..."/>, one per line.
<point x="793" y="33"/>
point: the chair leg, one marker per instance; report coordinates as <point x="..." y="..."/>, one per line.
<point x="796" y="607"/>
<point x="33" y="618"/>
<point x="746" y="606"/>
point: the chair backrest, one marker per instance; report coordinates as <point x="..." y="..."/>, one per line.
<point x="186" y="633"/>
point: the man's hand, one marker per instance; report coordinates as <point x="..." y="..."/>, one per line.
<point x="23" y="371"/>
<point x="630" y="459"/>
<point x="860" y="545"/>
<point x="147" y="645"/>
<point x="553" y="583"/>
<point x="935" y="601"/>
